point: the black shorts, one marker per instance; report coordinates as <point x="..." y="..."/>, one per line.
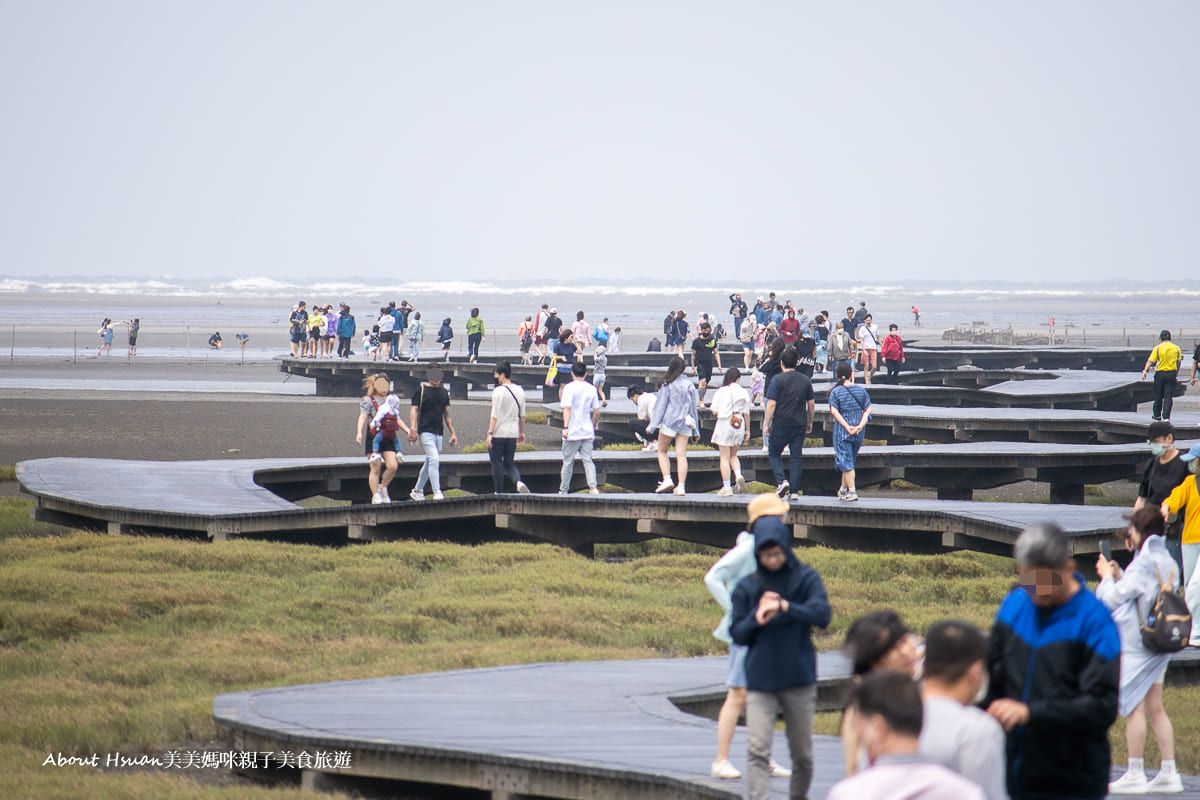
<point x="385" y="337"/>
<point x="299" y="335"/>
<point x="704" y="371"/>
<point x="133" y="341"/>
<point x="384" y="447"/>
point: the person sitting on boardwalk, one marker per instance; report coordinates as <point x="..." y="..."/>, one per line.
<point x="850" y="407"/>
<point x="1130" y="595"/>
<point x="676" y="420"/>
<point x="955" y="732"/>
<point x="1053" y="659"/>
<point x="1165" y="358"/>
<point x="774" y="612"/>
<point x="581" y="409"/>
<point x="787" y="420"/>
<point x="645" y="409"/>
<point x="429" y="413"/>
<point x="889" y="720"/>
<point x="722" y="578"/>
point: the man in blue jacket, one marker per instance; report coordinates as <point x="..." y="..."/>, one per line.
<point x="774" y="610"/>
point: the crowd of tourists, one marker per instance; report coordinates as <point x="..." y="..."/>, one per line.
<point x="1021" y="712"/>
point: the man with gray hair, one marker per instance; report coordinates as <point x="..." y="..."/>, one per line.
<point x="1053" y="660"/>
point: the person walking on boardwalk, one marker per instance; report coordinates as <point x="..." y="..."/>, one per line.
<point x="1165" y="359"/>
<point x="867" y="334"/>
<point x="506" y="429"/>
<point x="445" y="338"/>
<point x="721" y="579"/>
<point x="1187" y="496"/>
<point x="383" y="468"/>
<point x="892" y="350"/>
<point x="1165" y="470"/>
<point x="841" y="346"/>
<point x="731" y="405"/>
<point x="415" y="335"/>
<point x="429" y="417"/>
<point x="1053" y="662"/>
<point x="787" y="420"/>
<point x="539" y="332"/>
<point x="739" y="311"/>
<point x="525" y="338"/>
<point x="387" y="333"/>
<point x="581" y="410"/>
<point x="582" y="331"/>
<point x="346" y="328"/>
<point x="679" y="332"/>
<point x="774" y="612"/>
<point x="676" y="420"/>
<point x="1130" y="595"/>
<point x="890" y="718"/>
<point x="704" y="355"/>
<point x="475" y="334"/>
<point x="850" y="407"/>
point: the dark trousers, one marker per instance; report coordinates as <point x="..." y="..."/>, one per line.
<point x="1164" y="393"/>
<point x="637" y="429"/>
<point x="893" y="369"/>
<point x="344" y="346"/>
<point x="473" y="340"/>
<point x="791" y="436"/>
<point x="503" y="455"/>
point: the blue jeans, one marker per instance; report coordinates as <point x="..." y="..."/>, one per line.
<point x="431" y="443"/>
<point x="414" y="348"/>
<point x="790" y="436"/>
<point x="394" y="350"/>
<point x="502" y="455"/>
<point x="583" y="449"/>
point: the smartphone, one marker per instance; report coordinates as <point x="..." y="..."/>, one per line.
<point x="1106" y="550"/>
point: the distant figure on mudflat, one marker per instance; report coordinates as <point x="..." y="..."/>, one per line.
<point x="215" y="341"/>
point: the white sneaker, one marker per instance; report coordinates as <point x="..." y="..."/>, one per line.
<point x="371" y="459"/>
<point x="1163" y="783"/>
<point x="739" y="485"/>
<point x="766" y="449"/>
<point x="439" y="496"/>
<point x="650" y="447"/>
<point x="522" y="488"/>
<point x="779" y="772"/>
<point x="782" y="489"/>
<point x="850" y="496"/>
<point x="376" y="499"/>
<point x="725" y="491"/>
<point x="665" y="485"/>
<point x="724" y="770"/>
<point x="680" y="491"/>
<point x="593" y="490"/>
<point x="1129" y="783"/>
<point x="383" y="494"/>
<point x="794" y="496"/>
<point x="416" y="496"/>
<point x="841" y="493"/>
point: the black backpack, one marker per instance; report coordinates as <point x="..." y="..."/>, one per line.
<point x="1168" y="627"/>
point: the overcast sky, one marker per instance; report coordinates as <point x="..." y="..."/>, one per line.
<point x="1031" y="141"/>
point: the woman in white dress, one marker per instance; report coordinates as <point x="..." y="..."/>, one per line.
<point x="731" y="404"/>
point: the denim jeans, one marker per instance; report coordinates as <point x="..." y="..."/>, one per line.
<point x="502" y="455"/>
<point x="792" y="437"/>
<point x="344" y="347"/>
<point x="414" y="348"/>
<point x="394" y="350"/>
<point x="431" y="443"/>
<point x="583" y="449"/>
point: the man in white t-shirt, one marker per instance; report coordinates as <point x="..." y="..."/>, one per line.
<point x="581" y="409"/>
<point x="645" y="407"/>
<point x="506" y="428"/>
<point x="956" y="733"/>
<point x="867" y="335"/>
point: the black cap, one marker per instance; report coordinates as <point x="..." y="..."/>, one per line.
<point x="1158" y="429"/>
<point x="1164" y="336"/>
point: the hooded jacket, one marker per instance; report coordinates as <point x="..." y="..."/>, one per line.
<point x="445" y="333"/>
<point x="781" y="652"/>
<point x="725" y="575"/>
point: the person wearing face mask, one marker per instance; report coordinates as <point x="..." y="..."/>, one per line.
<point x="774" y="611"/>
<point x="1131" y="594"/>
<point x="889" y="718"/>
<point x="1054" y="674"/>
<point x="1186" y="497"/>
<point x="1164" y="471"/>
<point x="955" y="732"/>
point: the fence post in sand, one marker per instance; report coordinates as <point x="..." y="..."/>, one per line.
<point x="12" y="350"/>
<point x="75" y="358"/>
<point x="189" y="344"/>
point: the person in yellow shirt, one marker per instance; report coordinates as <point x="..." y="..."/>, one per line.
<point x="1165" y="358"/>
<point x="1187" y="495"/>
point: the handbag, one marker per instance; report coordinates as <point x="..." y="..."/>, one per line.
<point x="552" y="373"/>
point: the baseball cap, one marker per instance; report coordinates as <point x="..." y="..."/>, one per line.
<point x="554" y="311"/>
<point x="769" y="504"/>
<point x="1159" y="428"/>
<point x="1191" y="455"/>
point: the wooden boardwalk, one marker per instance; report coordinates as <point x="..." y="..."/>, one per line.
<point x="586" y="730"/>
<point x="223" y="499"/>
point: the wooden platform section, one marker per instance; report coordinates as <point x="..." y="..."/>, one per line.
<point x="586" y="731"/>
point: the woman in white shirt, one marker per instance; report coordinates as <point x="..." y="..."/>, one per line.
<point x="731" y="404"/>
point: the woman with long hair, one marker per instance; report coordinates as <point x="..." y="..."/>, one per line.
<point x="675" y="418"/>
<point x="731" y="405"/>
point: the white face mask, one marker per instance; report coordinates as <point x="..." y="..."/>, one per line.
<point x="1158" y="448"/>
<point x="983" y="690"/>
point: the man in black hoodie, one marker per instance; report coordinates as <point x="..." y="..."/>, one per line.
<point x="774" y="610"/>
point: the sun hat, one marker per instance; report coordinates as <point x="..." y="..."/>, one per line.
<point x="769" y="504"/>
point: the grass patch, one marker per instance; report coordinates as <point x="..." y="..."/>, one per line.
<point x="535" y="418"/>
<point x="15" y="519"/>
<point x="114" y="643"/>
<point x="481" y="447"/>
<point x="321" y="502"/>
<point x="8" y="474"/>
<point x="906" y="486"/>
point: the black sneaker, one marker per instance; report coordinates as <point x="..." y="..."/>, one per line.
<point x="783" y="489"/>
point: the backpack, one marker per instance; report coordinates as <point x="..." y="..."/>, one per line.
<point x="1168" y="627"/>
<point x="719" y="332"/>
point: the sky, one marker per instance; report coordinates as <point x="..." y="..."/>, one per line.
<point x="1026" y="141"/>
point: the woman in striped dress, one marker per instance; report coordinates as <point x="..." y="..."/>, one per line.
<point x="850" y="407"/>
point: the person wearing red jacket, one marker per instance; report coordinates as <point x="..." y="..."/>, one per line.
<point x="893" y="353"/>
<point x="789" y="329"/>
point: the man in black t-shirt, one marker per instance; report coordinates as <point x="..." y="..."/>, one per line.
<point x="704" y="351"/>
<point x="430" y="410"/>
<point x="553" y="326"/>
<point x="806" y="349"/>
<point x="1163" y="472"/>
<point x="788" y="419"/>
